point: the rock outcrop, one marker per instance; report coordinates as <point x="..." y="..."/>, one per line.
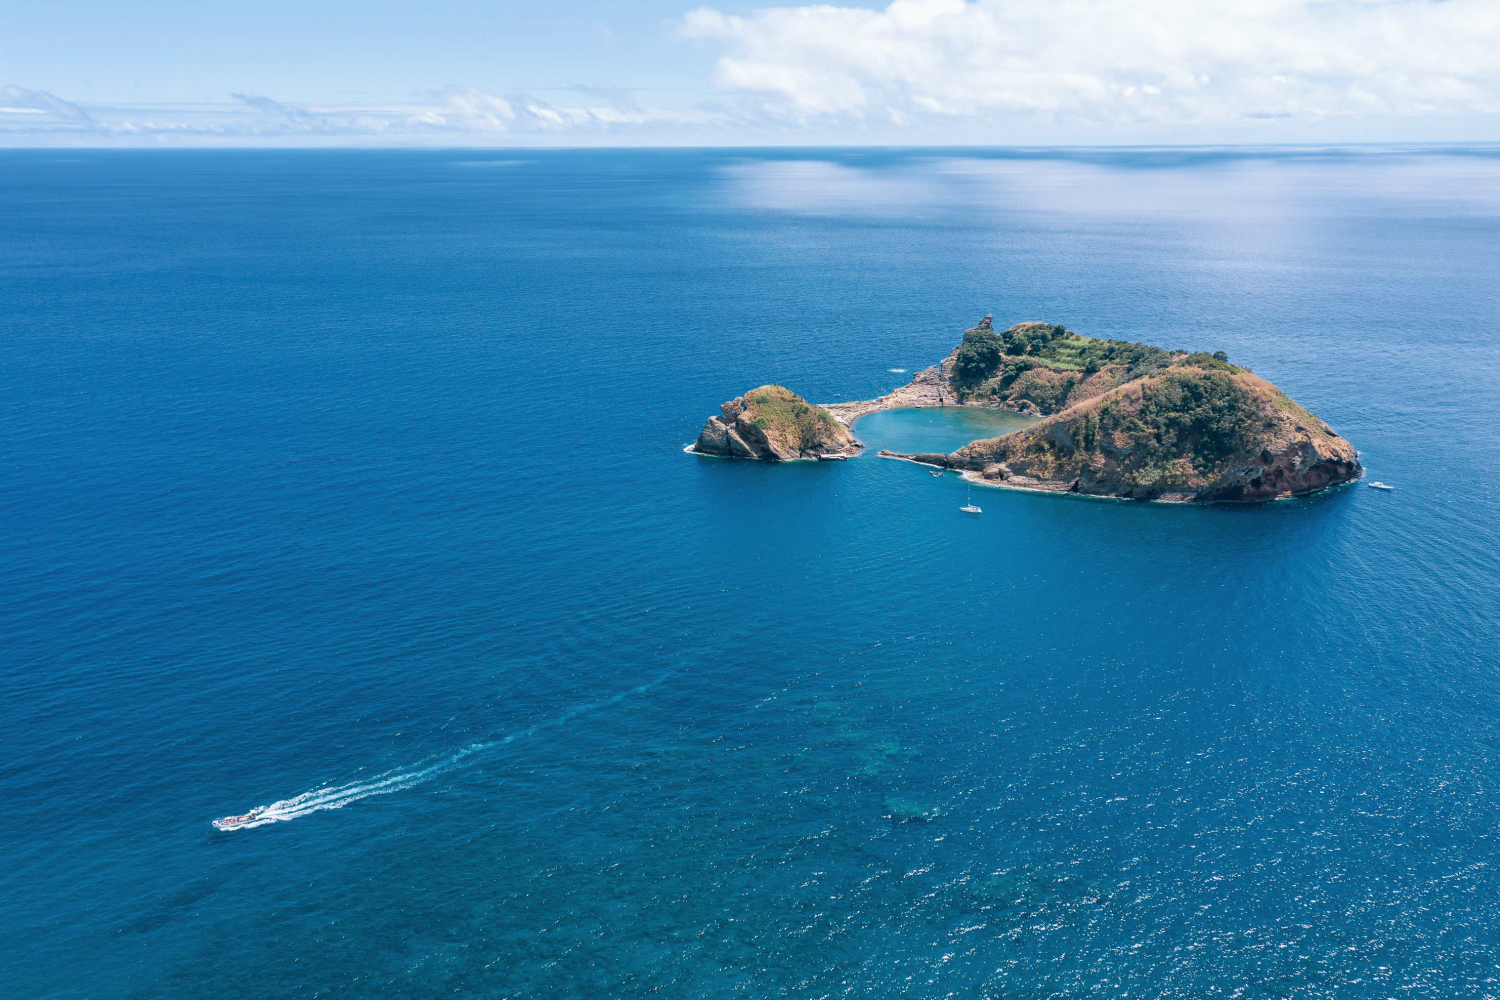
<point x="928" y="387"/>
<point x="773" y="423"/>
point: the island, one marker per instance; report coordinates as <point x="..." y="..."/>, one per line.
<point x="774" y="424"/>
<point x="1114" y="419"/>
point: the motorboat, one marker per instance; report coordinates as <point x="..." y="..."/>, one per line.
<point x="234" y="822"/>
<point x="936" y="472"/>
<point x="1379" y="486"/>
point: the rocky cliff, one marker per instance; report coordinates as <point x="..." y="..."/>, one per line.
<point x="1203" y="431"/>
<point x="773" y="423"/>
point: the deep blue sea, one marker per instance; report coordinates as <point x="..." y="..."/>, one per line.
<point x="352" y="484"/>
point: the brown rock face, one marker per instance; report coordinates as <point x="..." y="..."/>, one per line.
<point x="1188" y="434"/>
<point x="773" y="423"/>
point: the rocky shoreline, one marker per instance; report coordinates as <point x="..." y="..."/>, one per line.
<point x="1026" y="484"/>
<point x="930" y="387"/>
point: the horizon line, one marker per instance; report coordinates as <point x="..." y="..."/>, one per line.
<point x="602" y="147"/>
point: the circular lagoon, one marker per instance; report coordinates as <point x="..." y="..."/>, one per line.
<point x="934" y="428"/>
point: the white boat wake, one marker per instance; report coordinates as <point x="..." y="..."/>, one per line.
<point x="339" y="796"/>
<point x="336" y="796"/>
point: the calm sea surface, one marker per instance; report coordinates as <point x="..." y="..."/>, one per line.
<point x="352" y="484"/>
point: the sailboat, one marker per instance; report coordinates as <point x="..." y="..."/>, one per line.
<point x="970" y="507"/>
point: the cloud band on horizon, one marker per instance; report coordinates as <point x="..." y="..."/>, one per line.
<point x="984" y="69"/>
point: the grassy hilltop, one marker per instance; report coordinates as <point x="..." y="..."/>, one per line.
<point x="1134" y="420"/>
<point x="1045" y="367"/>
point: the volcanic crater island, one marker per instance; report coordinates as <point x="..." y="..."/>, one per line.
<point x="1114" y="419"/>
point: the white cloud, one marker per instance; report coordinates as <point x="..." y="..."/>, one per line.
<point x="934" y="70"/>
<point x="470" y="109"/>
<point x="457" y="110"/>
<point x="40" y="111"/>
<point x="1112" y="61"/>
<point x="466" y="108"/>
<point x="277" y="111"/>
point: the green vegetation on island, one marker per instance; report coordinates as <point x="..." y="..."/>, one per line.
<point x="1136" y="420"/>
<point x="1044" y="367"/>
<point x="775" y="424"/>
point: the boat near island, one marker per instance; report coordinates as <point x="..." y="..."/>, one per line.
<point x="937" y="472"/>
<point x="1379" y="486"/>
<point x="970" y="508"/>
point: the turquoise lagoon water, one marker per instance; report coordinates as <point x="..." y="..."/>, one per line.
<point x="352" y="484"/>
<point x="933" y="429"/>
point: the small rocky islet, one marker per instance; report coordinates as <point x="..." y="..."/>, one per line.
<point x="1116" y="419"/>
<point x="774" y="424"/>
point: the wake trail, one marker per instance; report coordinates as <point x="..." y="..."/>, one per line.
<point x="397" y="779"/>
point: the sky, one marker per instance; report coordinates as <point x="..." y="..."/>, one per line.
<point x="657" y="72"/>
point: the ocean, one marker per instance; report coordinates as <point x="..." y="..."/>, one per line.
<point x="351" y="484"/>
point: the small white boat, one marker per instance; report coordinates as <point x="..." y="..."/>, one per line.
<point x="971" y="509"/>
<point x="1379" y="486"/>
<point x="936" y="472"/>
<point x="232" y="822"/>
